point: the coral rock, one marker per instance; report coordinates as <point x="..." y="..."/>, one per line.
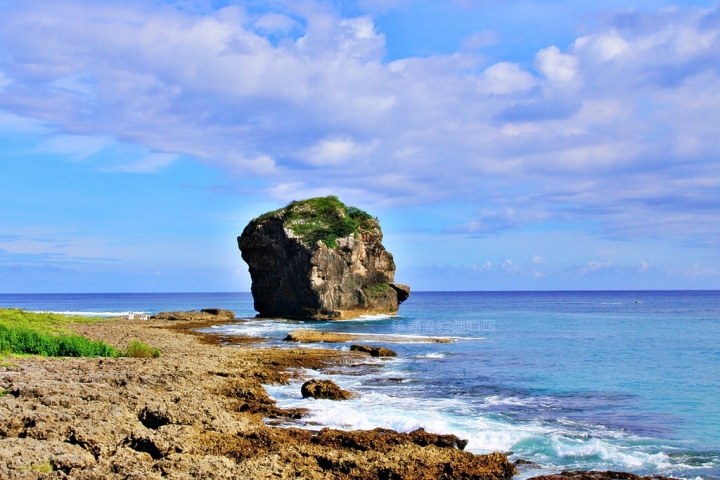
<point x="326" y="389"/>
<point x="319" y="259"/>
<point x="373" y="351"/>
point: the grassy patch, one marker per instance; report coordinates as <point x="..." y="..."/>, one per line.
<point x="23" y="340"/>
<point x="42" y="468"/>
<point x="322" y="218"/>
<point x="43" y="322"/>
<point x="46" y="334"/>
<point x="4" y="391"/>
<point x="138" y="349"/>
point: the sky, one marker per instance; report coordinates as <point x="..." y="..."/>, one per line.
<point x="503" y="144"/>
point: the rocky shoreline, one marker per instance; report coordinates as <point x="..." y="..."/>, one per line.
<point x="200" y="411"/>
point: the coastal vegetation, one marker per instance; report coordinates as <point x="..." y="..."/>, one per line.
<point x="138" y="349"/>
<point x="26" y="341"/>
<point x="43" y="322"/>
<point x="46" y="334"/>
<point x="322" y="218"/>
<point x="378" y="289"/>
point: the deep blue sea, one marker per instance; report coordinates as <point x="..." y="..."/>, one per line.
<point x="571" y="380"/>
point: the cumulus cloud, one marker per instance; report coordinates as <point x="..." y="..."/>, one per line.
<point x="620" y="128"/>
<point x="555" y="65"/>
<point x="594" y="266"/>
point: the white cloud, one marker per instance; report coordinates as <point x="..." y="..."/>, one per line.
<point x="595" y="266"/>
<point x="275" y="22"/>
<point x="602" y="47"/>
<point x="505" y="77"/>
<point x="621" y="128"/>
<point x="555" y="65"/>
<point x="335" y="151"/>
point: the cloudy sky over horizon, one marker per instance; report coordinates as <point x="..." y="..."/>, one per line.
<point x="506" y="145"/>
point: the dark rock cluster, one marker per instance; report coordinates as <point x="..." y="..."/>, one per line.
<point x="325" y="389"/>
<point x="373" y="351"/>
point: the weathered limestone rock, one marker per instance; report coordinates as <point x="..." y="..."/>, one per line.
<point x="206" y="314"/>
<point x="373" y="351"/>
<point x="326" y="389"/>
<point x="319" y="259"/>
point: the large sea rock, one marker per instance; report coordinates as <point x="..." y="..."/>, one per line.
<point x="319" y="259"/>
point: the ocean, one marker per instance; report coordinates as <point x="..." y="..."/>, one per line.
<point x="570" y="380"/>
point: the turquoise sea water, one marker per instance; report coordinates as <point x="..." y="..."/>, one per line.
<point x="571" y="380"/>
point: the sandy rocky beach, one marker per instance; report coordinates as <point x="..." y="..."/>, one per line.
<point x="200" y="411"/>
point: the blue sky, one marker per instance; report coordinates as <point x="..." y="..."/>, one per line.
<point x="504" y="145"/>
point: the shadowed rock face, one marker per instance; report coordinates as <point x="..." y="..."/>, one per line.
<point x="335" y="278"/>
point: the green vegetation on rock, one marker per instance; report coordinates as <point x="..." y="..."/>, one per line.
<point x="322" y="218"/>
<point x="42" y="468"/>
<point x="377" y="290"/>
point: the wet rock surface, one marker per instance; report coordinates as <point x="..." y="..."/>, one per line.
<point x="313" y="336"/>
<point x="314" y="260"/>
<point x="324" y="389"/>
<point x="382" y="439"/>
<point x="373" y="351"/>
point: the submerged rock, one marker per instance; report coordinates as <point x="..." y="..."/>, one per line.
<point x="313" y="336"/>
<point x="373" y="351"/>
<point x="319" y="259"/>
<point x="326" y="389"/>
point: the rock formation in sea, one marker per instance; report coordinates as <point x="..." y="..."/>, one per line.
<point x="326" y="389"/>
<point x="319" y="259"/>
<point x="373" y="351"/>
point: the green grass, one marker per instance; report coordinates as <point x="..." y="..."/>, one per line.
<point x="39" y="467"/>
<point x="138" y="349"/>
<point x="4" y="391"/>
<point x="27" y="341"/>
<point x="322" y="218"/>
<point x="43" y="322"/>
<point x="46" y="334"/>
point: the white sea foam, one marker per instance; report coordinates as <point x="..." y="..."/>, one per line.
<point x="610" y="454"/>
<point x="409" y="337"/>
<point x="257" y="328"/>
<point x="435" y="355"/>
<point x="378" y="316"/>
<point x="553" y="445"/>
